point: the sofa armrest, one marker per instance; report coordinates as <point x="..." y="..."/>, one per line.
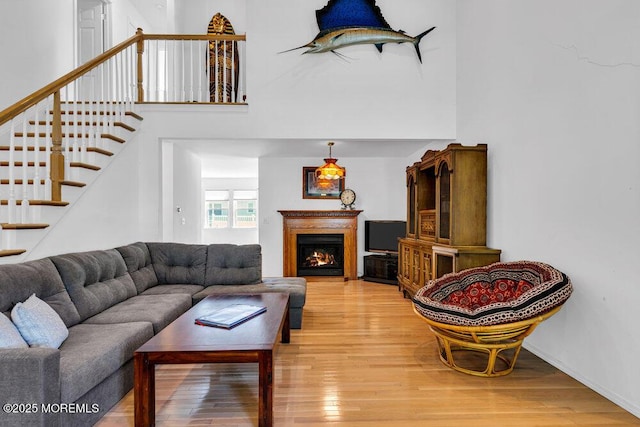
<point x="30" y="380"/>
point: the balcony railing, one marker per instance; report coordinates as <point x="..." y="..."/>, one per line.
<point x="189" y="68"/>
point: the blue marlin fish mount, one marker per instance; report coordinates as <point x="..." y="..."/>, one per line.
<point x="345" y="23"/>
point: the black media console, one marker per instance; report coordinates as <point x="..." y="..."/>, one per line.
<point x="381" y="269"/>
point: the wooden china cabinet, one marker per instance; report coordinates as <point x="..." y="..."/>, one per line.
<point x="446" y="216"/>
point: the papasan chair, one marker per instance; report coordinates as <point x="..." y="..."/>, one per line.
<point x="489" y="311"/>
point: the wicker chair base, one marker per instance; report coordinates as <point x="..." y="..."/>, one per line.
<point x="499" y="344"/>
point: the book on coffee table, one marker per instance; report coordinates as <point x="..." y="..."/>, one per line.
<point x="230" y="316"/>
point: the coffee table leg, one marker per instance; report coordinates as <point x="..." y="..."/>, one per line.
<point x="265" y="389"/>
<point x="286" y="327"/>
<point x="144" y="399"/>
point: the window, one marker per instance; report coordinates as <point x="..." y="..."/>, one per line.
<point x="245" y="209"/>
<point x="216" y="207"/>
<point x="231" y="208"/>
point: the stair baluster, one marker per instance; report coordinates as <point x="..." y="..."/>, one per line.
<point x="11" y="201"/>
<point x="24" y="205"/>
<point x="76" y="116"/>
<point x="57" y="157"/>
<point x="36" y="156"/>
<point x="47" y="150"/>
<point x="82" y="155"/>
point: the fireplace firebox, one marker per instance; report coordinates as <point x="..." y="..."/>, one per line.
<point x="320" y="254"/>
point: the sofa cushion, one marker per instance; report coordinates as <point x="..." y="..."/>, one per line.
<point x="173" y="289"/>
<point x="138" y="260"/>
<point x="93" y="352"/>
<point x="159" y="310"/>
<point x="178" y="263"/>
<point x="502" y="292"/>
<point x="294" y="286"/>
<point x="233" y="264"/>
<point x="95" y="280"/>
<point x="40" y="277"/>
<point x="9" y="335"/>
<point x="38" y="323"/>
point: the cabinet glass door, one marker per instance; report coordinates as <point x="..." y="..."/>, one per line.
<point x="445" y="202"/>
<point x="411" y="194"/>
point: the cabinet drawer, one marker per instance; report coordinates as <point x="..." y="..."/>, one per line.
<point x="428" y="224"/>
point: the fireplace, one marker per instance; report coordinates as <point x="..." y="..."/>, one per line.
<point x="320" y="254"/>
<point x="329" y="226"/>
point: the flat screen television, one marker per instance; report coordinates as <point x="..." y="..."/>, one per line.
<point x="382" y="236"/>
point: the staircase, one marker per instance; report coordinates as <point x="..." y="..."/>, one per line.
<point x="92" y="138"/>
<point x="55" y="142"/>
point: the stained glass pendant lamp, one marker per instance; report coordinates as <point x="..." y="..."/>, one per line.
<point x="330" y="169"/>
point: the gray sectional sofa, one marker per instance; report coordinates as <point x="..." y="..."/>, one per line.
<point x="112" y="302"/>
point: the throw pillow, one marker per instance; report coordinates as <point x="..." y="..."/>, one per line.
<point x="38" y="323"/>
<point x="9" y="335"/>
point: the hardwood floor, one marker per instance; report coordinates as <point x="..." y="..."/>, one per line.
<point x="363" y="358"/>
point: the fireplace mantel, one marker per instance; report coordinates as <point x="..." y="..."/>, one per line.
<point x="314" y="214"/>
<point x="320" y="222"/>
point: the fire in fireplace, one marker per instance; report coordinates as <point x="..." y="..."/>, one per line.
<point x="319" y="258"/>
<point x="320" y="255"/>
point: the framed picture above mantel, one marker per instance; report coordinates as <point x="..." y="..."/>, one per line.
<point x="314" y="188"/>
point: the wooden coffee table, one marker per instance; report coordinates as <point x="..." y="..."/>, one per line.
<point x="183" y="341"/>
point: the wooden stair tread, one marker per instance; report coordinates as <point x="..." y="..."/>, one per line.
<point x="19" y="163"/>
<point x="34" y="226"/>
<point x="42" y="182"/>
<point x="119" y="124"/>
<point x="91" y="102"/>
<point x="19" y="181"/>
<point x="74" y="183"/>
<point x="11" y="252"/>
<point x="99" y="113"/>
<point x="67" y="135"/>
<point x="84" y="166"/>
<point x="134" y="115"/>
<point x="43" y="164"/>
<point x="32" y="148"/>
<point x="99" y="151"/>
<point x="104" y="113"/>
<point x="113" y="138"/>
<point x="37" y="202"/>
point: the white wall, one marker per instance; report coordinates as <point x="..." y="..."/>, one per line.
<point x="552" y="87"/>
<point x="36" y="46"/>
<point x="105" y="216"/>
<point x="187" y="190"/>
<point x="371" y="95"/>
<point x="195" y="18"/>
<point x="38" y="40"/>
<point x="125" y="20"/>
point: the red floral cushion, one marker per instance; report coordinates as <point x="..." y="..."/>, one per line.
<point x="494" y="294"/>
<point x="480" y="294"/>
